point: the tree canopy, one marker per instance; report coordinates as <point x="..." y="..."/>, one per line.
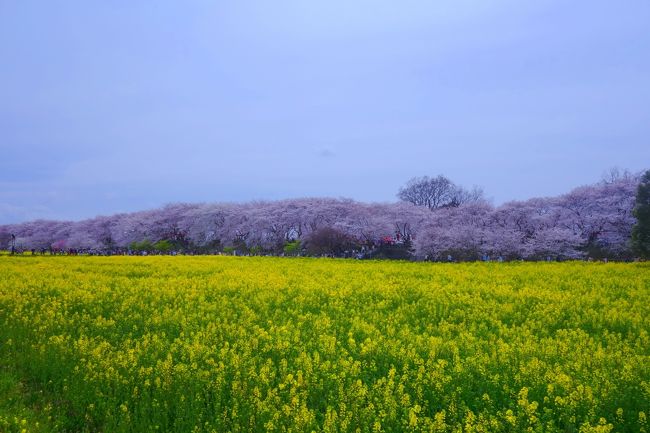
<point x="641" y="230"/>
<point x="590" y="221"/>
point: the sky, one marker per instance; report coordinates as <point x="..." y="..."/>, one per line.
<point x="126" y="105"/>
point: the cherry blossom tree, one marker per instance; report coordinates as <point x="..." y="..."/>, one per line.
<point x="590" y="221"/>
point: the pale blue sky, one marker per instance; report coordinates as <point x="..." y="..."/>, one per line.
<point x="126" y="105"/>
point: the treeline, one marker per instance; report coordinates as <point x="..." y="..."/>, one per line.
<point x="590" y="221"/>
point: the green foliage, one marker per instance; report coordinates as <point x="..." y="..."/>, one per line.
<point x="292" y="248"/>
<point x="164" y="246"/>
<point x="145" y="245"/>
<point x="641" y="230"/>
<point x="16" y="415"/>
<point x="256" y="250"/>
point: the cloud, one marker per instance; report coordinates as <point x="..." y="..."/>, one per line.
<point x="326" y="153"/>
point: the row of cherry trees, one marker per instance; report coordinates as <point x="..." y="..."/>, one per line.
<point x="593" y="221"/>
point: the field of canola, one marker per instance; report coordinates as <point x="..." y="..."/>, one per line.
<point x="227" y="344"/>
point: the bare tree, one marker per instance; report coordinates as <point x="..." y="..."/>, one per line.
<point x="438" y="192"/>
<point x="432" y="192"/>
<point x="463" y="196"/>
<point x="614" y="175"/>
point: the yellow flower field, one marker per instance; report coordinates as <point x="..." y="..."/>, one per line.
<point x="227" y="344"/>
